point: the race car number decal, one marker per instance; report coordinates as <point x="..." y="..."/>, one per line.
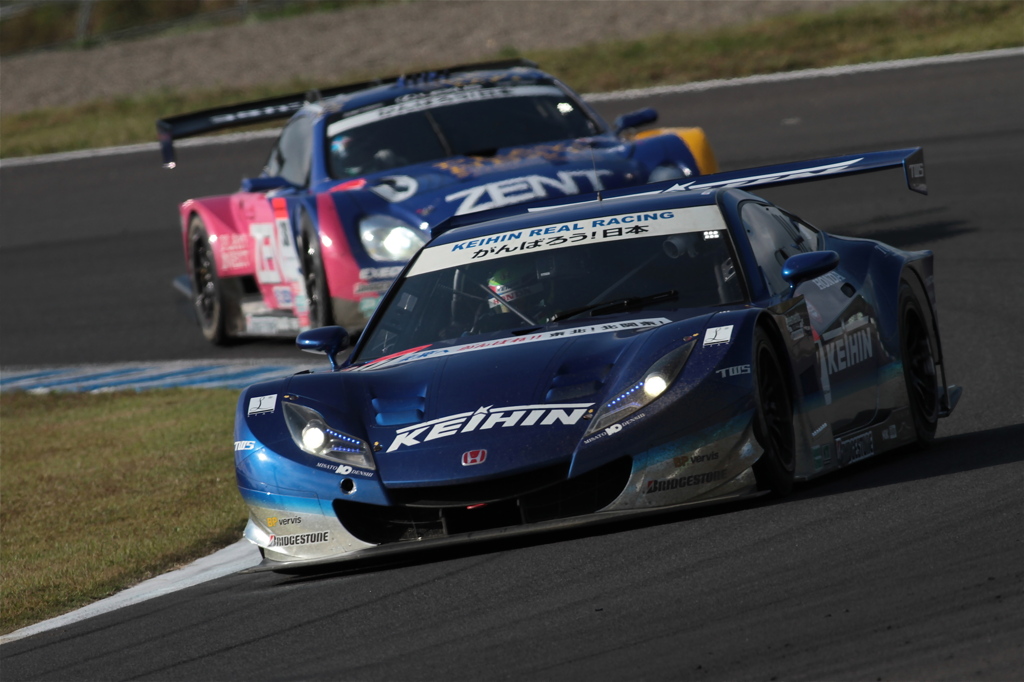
<point x="266" y="253"/>
<point x="277" y="261"/>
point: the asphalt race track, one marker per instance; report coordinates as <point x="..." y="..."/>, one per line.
<point x="908" y="567"/>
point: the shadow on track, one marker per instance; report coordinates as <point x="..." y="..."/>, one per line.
<point x="944" y="457"/>
<point x="420" y="556"/>
<point x="892" y="229"/>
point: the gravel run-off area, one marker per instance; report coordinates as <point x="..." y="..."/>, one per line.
<point x="379" y="39"/>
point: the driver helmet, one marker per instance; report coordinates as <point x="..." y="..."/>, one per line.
<point x="517" y="284"/>
<point x="340" y="146"/>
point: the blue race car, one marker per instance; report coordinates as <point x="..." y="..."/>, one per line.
<point x="362" y="172"/>
<point x="583" y="359"/>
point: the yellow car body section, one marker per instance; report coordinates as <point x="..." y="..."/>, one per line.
<point x="695" y="139"/>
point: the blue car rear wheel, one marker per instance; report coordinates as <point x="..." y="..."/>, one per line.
<point x="918" y="366"/>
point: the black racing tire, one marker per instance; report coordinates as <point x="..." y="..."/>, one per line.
<point x="773" y="423"/>
<point x="919" y="372"/>
<point x="214" y="302"/>
<point x="320" y="309"/>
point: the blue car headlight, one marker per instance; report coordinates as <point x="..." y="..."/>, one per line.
<point x="655" y="381"/>
<point x="311" y="433"/>
<point x="387" y="238"/>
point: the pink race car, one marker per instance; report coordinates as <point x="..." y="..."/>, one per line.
<point x="361" y="173"/>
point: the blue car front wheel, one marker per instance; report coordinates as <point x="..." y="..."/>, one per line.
<point x="773" y="425"/>
<point x="320" y="314"/>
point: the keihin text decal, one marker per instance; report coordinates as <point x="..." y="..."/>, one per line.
<point x="488" y="418"/>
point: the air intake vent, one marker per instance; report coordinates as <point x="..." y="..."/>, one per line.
<point x="396" y="411"/>
<point x="568" y="385"/>
<point x="451" y="509"/>
<point x="492" y="490"/>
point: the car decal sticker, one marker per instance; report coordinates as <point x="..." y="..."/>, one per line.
<point x="562" y="235"/>
<point x="412" y="354"/>
<point x="777" y="176"/>
<point x="718" y="335"/>
<point x="527" y="188"/>
<point x="467" y="166"/>
<point x="489" y="417"/>
<point x="264" y="404"/>
<point x="438" y="98"/>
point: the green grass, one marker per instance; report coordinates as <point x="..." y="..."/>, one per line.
<point x="102" y="491"/>
<point x="107" y="123"/>
<point x="56" y="23"/>
<point x="863" y="32"/>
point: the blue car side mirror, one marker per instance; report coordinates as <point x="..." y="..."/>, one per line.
<point x="329" y="340"/>
<point x="805" y="266"/>
<point x="635" y="119"/>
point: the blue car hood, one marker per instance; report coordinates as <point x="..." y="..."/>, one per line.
<point x="433" y="192"/>
<point x="526" y="401"/>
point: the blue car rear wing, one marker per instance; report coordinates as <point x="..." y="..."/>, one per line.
<point x="274" y="108"/>
<point x="911" y="160"/>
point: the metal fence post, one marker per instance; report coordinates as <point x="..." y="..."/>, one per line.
<point x="82" y="31"/>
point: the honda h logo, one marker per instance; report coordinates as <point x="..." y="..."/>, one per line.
<point x="473" y="457"/>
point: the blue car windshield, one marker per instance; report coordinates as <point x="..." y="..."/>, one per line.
<point x="445" y="123"/>
<point x="524" y="280"/>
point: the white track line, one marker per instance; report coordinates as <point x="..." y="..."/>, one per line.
<point x="621" y="95"/>
<point x="807" y="74"/>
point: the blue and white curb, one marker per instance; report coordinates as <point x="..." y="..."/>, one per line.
<point x="145" y="375"/>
